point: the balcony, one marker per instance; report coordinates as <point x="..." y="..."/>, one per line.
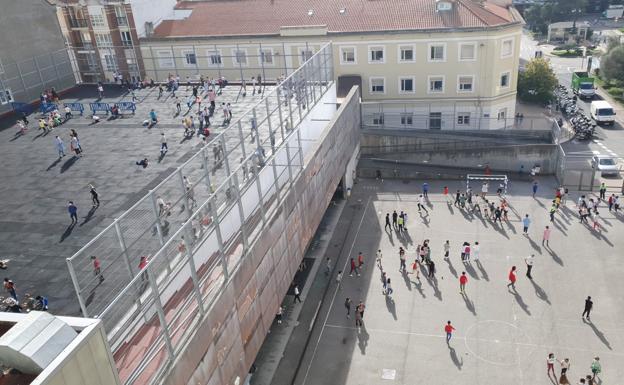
<point x="83" y="45"/>
<point x="78" y="23"/>
<point x="122" y="21"/>
<point x="126" y="43"/>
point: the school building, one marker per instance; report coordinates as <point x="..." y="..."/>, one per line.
<point x="445" y="64"/>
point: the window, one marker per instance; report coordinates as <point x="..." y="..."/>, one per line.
<point x="110" y="60"/>
<point x="463" y="118"/>
<point x="504" y="80"/>
<point x="377" y="85"/>
<point x="507" y="48"/>
<point x="347" y="55"/>
<point x="214" y="58"/>
<point x="436" y="84"/>
<point x="406" y="54"/>
<point x="6" y="96"/>
<point x="406" y="85"/>
<point x="266" y="56"/>
<point x="467" y="52"/>
<point x="435" y="120"/>
<point x="378" y="119"/>
<point x="437" y="52"/>
<point x="465" y="83"/>
<point x="305" y="54"/>
<point x="103" y="40"/>
<point x="165" y="59"/>
<point x="126" y="38"/>
<point x="190" y="58"/>
<point x="376" y="54"/>
<point x="502" y="114"/>
<point x="97" y="20"/>
<point x="240" y="57"/>
<point x="407" y="119"/>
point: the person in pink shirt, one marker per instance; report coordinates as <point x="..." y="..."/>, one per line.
<point x="546" y="236"/>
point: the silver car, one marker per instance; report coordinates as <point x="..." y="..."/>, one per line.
<point x="606" y="165"/>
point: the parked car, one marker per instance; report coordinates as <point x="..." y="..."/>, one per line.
<point x="606" y="165"/>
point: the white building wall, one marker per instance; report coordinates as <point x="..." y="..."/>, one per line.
<point x="151" y="11"/>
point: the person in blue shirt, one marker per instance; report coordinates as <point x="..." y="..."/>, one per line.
<point x="534" y="188"/>
<point x="153" y="117"/>
<point x="526" y="222"/>
<point x="73" y="212"/>
<point x="425" y="189"/>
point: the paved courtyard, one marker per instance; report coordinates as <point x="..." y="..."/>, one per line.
<point x="36" y="185"/>
<point x="501" y="337"/>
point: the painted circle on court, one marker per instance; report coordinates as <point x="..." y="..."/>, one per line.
<point x="497" y="342"/>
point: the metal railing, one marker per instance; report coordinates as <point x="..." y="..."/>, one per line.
<point x="196" y="226"/>
<point x="78" y="23"/>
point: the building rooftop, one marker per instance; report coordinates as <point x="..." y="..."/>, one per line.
<point x="268" y="17"/>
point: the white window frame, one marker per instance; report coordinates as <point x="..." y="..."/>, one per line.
<point x="429" y="78"/>
<point x="210" y="53"/>
<point x="459" y="51"/>
<point x="429" y="46"/>
<point x="379" y="116"/>
<point x="372" y="48"/>
<point x="185" y="61"/>
<point x="405" y="116"/>
<point x="459" y="90"/>
<point x="342" y="50"/>
<point x="511" y="51"/>
<point x="370" y="85"/>
<point x="6" y="96"/>
<point x="302" y="53"/>
<point x="460" y="119"/>
<point x="110" y="65"/>
<point x="97" y="20"/>
<point x="235" y="58"/>
<point x="107" y="41"/>
<point x="163" y="58"/>
<point x="262" y="55"/>
<point x="504" y="112"/>
<point x="121" y="33"/>
<point x="400" y="87"/>
<point x="500" y="80"/>
<point x="400" y="51"/>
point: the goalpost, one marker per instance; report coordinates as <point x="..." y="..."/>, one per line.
<point x="487" y="178"/>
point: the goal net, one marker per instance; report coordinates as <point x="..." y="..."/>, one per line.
<point x="498" y="181"/>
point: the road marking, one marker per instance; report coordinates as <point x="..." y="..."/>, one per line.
<point x="595" y="152"/>
<point x="331" y="304"/>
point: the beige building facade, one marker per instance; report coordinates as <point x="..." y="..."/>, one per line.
<point x="435" y="78"/>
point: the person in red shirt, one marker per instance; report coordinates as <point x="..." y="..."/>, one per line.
<point x="360" y="260"/>
<point x="97" y="270"/>
<point x="353" y="268"/>
<point x="463" y="279"/>
<point x="512" y="278"/>
<point x="448" y="328"/>
<point x="142" y="264"/>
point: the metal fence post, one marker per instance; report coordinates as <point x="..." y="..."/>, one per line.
<point x="239" y="203"/>
<point x="300" y="147"/>
<point x="74" y="278"/>
<point x="124" y="251"/>
<point x="185" y="193"/>
<point x="159" y="310"/>
<point x="194" y="277"/>
<point x="242" y="138"/>
<point x="217" y="227"/>
<point x="260" y="198"/>
<point x="158" y="225"/>
<point x="206" y="169"/>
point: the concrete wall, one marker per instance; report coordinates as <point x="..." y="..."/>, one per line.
<point x="233" y="331"/>
<point x="31" y="43"/>
<point x="506" y="158"/>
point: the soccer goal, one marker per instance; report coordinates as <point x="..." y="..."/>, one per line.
<point x="502" y="181"/>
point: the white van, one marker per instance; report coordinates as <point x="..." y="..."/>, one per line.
<point x="602" y="112"/>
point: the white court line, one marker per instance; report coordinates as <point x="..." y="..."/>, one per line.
<point x="595" y="152"/>
<point x="331" y="304"/>
<point x="455" y="337"/>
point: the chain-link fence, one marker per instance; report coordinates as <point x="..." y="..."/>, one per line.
<point x="162" y="262"/>
<point x="576" y="172"/>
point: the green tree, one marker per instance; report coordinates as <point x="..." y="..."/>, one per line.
<point x="537" y="82"/>
<point x="612" y="64"/>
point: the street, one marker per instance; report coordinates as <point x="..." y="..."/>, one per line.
<point x="609" y="140"/>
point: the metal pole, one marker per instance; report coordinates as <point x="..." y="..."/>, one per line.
<point x="194" y="276"/>
<point x="240" y="65"/>
<point x="186" y="197"/>
<point x="239" y="203"/>
<point x="158" y="225"/>
<point x="262" y="63"/>
<point x="219" y="62"/>
<point x="300" y="147"/>
<point x="284" y="55"/>
<point x="279" y="109"/>
<point x="242" y="138"/>
<point x="276" y="181"/>
<point x="217" y="227"/>
<point x="19" y="71"/>
<point x="38" y="70"/>
<point x="58" y="77"/>
<point x="175" y="61"/>
<point x="206" y="169"/>
<point x="124" y="250"/>
<point x="196" y="65"/>
<point x="260" y="199"/>
<point x="74" y="278"/>
<point x="153" y="62"/>
<point x="159" y="310"/>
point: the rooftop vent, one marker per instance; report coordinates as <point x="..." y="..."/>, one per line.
<point x="343" y="11"/>
<point x="443" y="5"/>
<point x="310" y="12"/>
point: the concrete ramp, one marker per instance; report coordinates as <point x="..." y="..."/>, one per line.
<point x="32" y="343"/>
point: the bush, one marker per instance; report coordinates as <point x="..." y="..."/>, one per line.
<point x="615" y="91"/>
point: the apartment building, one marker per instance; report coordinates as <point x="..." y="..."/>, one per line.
<point x="103" y="35"/>
<point x="445" y="64"/>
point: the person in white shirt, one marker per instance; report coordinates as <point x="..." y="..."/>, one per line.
<point x="529" y="263"/>
<point x="475" y="251"/>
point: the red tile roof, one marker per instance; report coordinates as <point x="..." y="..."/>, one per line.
<point x="266" y="17"/>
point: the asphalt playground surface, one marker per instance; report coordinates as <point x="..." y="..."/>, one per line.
<point x="502" y="336"/>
